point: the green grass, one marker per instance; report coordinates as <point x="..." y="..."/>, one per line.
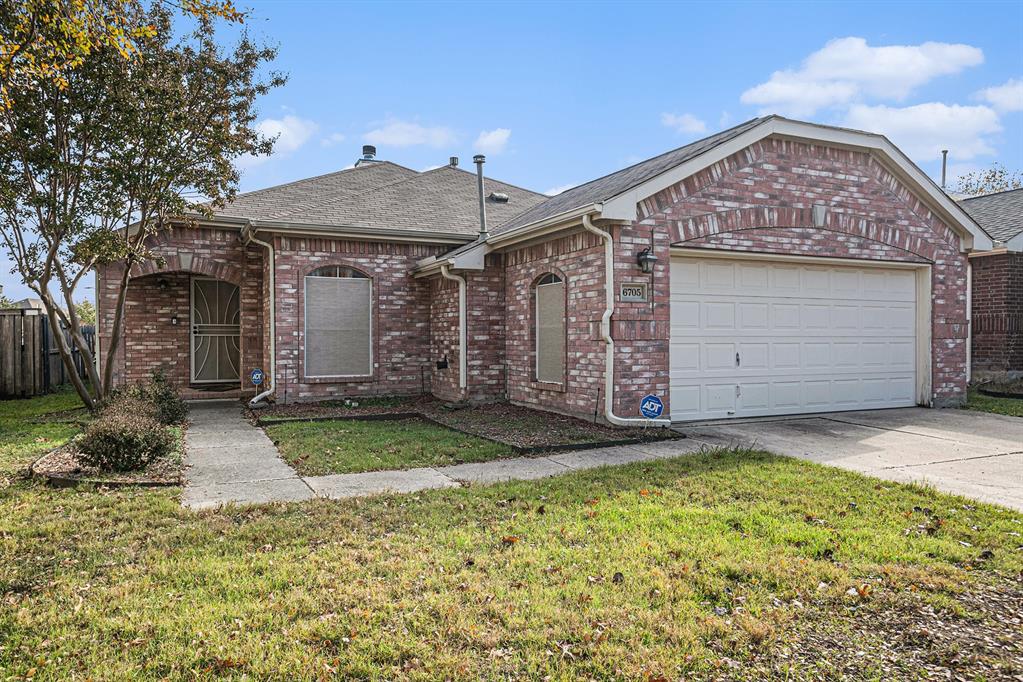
<point x="341" y="447"/>
<point x="509" y="581"/>
<point x="985" y="403"/>
<point x="26" y="433"/>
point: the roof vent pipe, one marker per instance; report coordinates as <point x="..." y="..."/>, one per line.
<point x="453" y="162"/>
<point x="479" y="160"/>
<point x="944" y="166"/>
<point x="369" y="152"/>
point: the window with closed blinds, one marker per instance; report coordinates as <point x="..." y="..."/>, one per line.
<point x="338" y="331"/>
<point x="550" y="330"/>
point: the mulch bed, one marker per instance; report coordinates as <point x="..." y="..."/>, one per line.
<point x="528" y="431"/>
<point x="1002" y="389"/>
<point x="61" y="467"/>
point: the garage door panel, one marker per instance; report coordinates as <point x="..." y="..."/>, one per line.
<point x="808" y="338"/>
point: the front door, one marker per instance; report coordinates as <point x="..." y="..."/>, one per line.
<point x="216" y="324"/>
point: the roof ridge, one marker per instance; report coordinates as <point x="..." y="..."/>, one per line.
<point x="338" y="200"/>
<point x="312" y="204"/>
<point x="486" y="177"/>
<point x="991" y="194"/>
<point x="320" y="177"/>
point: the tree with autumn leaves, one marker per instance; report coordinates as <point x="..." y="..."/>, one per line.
<point x="112" y="125"/>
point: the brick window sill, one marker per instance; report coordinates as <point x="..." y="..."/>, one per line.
<point x="553" y="387"/>
<point x="362" y="378"/>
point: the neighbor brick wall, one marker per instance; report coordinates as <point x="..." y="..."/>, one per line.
<point x="150" y="340"/>
<point x="761" y="199"/>
<point x="401" y="316"/>
<point x="997" y="314"/>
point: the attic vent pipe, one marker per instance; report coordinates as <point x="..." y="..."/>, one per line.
<point x="944" y="166"/>
<point x="369" y="152"/>
<point x="453" y="161"/>
<point x="479" y="160"/>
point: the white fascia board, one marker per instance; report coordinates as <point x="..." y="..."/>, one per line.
<point x="623" y="206"/>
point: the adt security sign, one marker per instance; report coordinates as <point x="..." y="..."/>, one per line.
<point x="257" y="376"/>
<point x="651" y="407"/>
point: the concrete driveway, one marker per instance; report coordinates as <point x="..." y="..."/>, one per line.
<point x="975" y="454"/>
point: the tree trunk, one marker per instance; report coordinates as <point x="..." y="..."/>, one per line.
<point x="65" y="354"/>
<point x="115" y="331"/>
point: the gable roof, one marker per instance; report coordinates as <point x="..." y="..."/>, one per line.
<point x="1000" y="214"/>
<point x="615" y="183"/>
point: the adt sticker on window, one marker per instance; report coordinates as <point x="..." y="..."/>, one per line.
<point x="651" y="407"/>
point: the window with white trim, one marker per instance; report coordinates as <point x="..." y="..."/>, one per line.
<point x="338" y="322"/>
<point x="550" y="329"/>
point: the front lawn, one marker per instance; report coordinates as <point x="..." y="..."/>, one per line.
<point x="349" y="446"/>
<point x="724" y="565"/>
<point x="28" y="428"/>
<point x="985" y="403"/>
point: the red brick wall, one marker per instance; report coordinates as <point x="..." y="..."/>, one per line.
<point x="150" y="341"/>
<point x="579" y="260"/>
<point x="401" y="316"/>
<point x="997" y="314"/>
<point x="762" y="198"/>
<point x="444" y="338"/>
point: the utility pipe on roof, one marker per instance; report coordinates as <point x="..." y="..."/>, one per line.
<point x="605" y="332"/>
<point x="463" y="345"/>
<point x="250" y="237"/>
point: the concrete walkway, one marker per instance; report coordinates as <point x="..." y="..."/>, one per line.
<point x="232" y="462"/>
<point x="976" y="454"/>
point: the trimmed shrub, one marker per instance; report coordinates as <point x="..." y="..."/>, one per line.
<point x="124" y="441"/>
<point x="170" y="408"/>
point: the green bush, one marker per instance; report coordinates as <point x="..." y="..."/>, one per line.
<point x="121" y="440"/>
<point x="170" y="408"/>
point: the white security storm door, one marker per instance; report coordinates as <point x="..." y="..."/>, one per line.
<point x="759" y="337"/>
<point x="216" y="326"/>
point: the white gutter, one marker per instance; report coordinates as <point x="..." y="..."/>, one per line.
<point x="463" y="361"/>
<point x="250" y="237"/>
<point x="605" y="332"/>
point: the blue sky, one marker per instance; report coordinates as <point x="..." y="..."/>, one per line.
<point x="557" y="94"/>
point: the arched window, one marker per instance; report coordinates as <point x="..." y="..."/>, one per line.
<point x="549" y="312"/>
<point x="338" y="322"/>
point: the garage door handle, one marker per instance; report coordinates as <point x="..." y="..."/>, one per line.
<point x="737" y="362"/>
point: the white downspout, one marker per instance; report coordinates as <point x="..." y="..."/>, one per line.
<point x="605" y="332"/>
<point x="969" y="321"/>
<point x="463" y="361"/>
<point x="250" y="237"/>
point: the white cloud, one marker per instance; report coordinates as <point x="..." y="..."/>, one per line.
<point x="1006" y="97"/>
<point x="291" y="132"/>
<point x="684" y="123"/>
<point x="398" y="133"/>
<point x="846" y="70"/>
<point x="332" y="139"/>
<point x="923" y="130"/>
<point x="558" y="190"/>
<point x="492" y="141"/>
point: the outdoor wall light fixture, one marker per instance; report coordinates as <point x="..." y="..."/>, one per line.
<point x="174" y="320"/>
<point x="646" y="260"/>
<point x="162" y="284"/>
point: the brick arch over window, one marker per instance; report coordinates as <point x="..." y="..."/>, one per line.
<point x="780" y="217"/>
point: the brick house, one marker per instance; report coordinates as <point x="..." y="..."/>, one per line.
<point x="997" y="286"/>
<point x="778" y="267"/>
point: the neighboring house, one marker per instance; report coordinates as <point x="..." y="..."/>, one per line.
<point x="29" y="304"/>
<point x="997" y="277"/>
<point x="777" y="267"/>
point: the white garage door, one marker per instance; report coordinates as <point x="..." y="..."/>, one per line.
<point x="752" y="337"/>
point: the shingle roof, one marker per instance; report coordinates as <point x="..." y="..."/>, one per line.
<point x="620" y="181"/>
<point x="444" y="199"/>
<point x="274" y="202"/>
<point x="385" y="196"/>
<point x="1000" y="214"/>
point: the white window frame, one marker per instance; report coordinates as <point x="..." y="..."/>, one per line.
<point x="305" y="328"/>
<point x="558" y="279"/>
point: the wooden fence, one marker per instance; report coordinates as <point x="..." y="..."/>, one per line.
<point x="30" y="362"/>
